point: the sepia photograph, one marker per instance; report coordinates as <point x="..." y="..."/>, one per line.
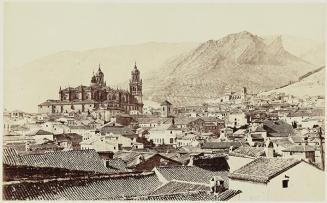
<point x="163" y="101"/>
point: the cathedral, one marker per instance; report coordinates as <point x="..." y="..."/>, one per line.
<point x="98" y="97"/>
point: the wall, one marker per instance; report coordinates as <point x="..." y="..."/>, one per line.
<point x="306" y="183"/>
<point x="236" y="162"/>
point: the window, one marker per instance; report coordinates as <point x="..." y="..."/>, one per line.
<point x="285" y="183"/>
<point x="171" y="140"/>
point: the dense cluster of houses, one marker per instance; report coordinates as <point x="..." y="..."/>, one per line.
<point x="258" y="148"/>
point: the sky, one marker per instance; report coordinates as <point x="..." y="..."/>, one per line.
<point x="36" y="29"/>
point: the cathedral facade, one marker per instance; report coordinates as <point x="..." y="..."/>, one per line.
<point x="97" y="97"/>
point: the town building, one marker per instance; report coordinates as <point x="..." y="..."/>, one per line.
<point x="278" y="179"/>
<point x="97" y="96"/>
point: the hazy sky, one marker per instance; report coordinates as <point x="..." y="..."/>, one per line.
<point x="37" y="29"/>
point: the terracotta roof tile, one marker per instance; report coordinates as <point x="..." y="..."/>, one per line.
<point x="263" y="169"/>
<point x="117" y="188"/>
<point x="192" y="174"/>
<point x="193" y="196"/>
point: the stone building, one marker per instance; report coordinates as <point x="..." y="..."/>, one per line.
<point x="97" y="97"/>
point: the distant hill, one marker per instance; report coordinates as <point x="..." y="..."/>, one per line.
<point x="236" y="60"/>
<point x="306" y="49"/>
<point x="310" y="84"/>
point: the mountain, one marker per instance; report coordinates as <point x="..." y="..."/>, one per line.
<point x="32" y="83"/>
<point x="236" y="60"/>
<point x="311" y="84"/>
<point x="307" y="49"/>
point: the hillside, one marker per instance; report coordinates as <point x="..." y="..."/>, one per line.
<point x="236" y="60"/>
<point x="307" y="49"/>
<point x="309" y="85"/>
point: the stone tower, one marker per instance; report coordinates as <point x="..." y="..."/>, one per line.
<point x="135" y="84"/>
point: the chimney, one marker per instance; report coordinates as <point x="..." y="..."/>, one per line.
<point x="217" y="185"/>
<point x="191" y="163"/>
<point x="139" y="159"/>
<point x="230" y="149"/>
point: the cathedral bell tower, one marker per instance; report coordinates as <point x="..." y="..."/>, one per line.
<point x="135" y="84"/>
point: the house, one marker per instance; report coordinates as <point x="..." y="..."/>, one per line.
<point x="278" y="179"/>
<point x="220" y="146"/>
<point x="225" y="133"/>
<point x="188" y="139"/>
<point x="182" y="122"/>
<point x="55" y="127"/>
<point x="40" y="135"/>
<point x="236" y="119"/>
<point x="212" y="124"/>
<point x="165" y="134"/>
<point x="166" y="109"/>
<point x="276" y="129"/>
<point x="280" y="144"/>
<point x="184" y="191"/>
<point x="244" y="155"/>
<point x="238" y="135"/>
<point x="151" y="121"/>
<point x="144" y="161"/>
<point x="70" y="141"/>
<point x="100" y="144"/>
<point x="305" y="152"/>
<point x="190" y="174"/>
<point x="44" y="147"/>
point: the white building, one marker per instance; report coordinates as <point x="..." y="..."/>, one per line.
<point x="164" y="134"/>
<point x="279" y="179"/>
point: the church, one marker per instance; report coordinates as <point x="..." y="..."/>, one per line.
<point x="98" y="97"/>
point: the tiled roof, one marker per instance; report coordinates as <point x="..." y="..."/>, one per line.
<point x="117" y="130"/>
<point x="184" y="120"/>
<point x="79" y="160"/>
<point x="193" y="196"/>
<point x="177" y="187"/>
<point x="284" y="142"/>
<point x="299" y="148"/>
<point x="257" y="136"/>
<point x="220" y="145"/>
<point x="117" y="164"/>
<point x="192" y="174"/>
<point x="112" y="188"/>
<point x="130" y="158"/>
<point x="260" y="129"/>
<point x="263" y="169"/>
<point x="143" y="120"/>
<point x="212" y="119"/>
<point x="43" y="132"/>
<point x="278" y="128"/>
<point x="11" y="157"/>
<point x="166" y="103"/>
<point x="297" y="139"/>
<point x="249" y="151"/>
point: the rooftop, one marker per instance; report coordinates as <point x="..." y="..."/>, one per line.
<point x="263" y="169"/>
<point x="191" y="174"/>
<point x="192" y="196"/>
<point x="299" y="148"/>
<point x="110" y="188"/>
<point x="220" y="145"/>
